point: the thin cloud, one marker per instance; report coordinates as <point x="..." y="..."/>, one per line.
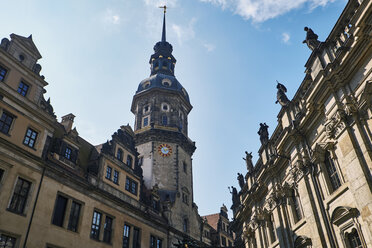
<point x="262" y="10"/>
<point x="110" y="17"/>
<point x="210" y="47"/>
<point x="286" y="37"/>
<point x="184" y="33"/>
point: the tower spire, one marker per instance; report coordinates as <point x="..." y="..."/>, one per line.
<point x="163" y="35"/>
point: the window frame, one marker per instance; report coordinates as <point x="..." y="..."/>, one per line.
<point x="120" y="154"/>
<point x="30" y="138"/>
<point x="333" y="173"/>
<point x="108" y="174"/>
<point x="74" y="219"/>
<point x="129" y="161"/>
<point x="96" y="227"/>
<point x="25" y="198"/>
<point x="107" y="232"/>
<point x="21" y="90"/>
<point x="126" y="235"/>
<point x="115" y="178"/>
<point x="147" y="122"/>
<point x="9" y="125"/>
<point x="9" y="236"/>
<point x="129" y="182"/>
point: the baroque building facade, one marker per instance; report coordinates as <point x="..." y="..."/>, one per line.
<point x="58" y="190"/>
<point x="311" y="186"/>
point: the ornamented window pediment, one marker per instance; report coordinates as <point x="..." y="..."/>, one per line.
<point x="342" y="214"/>
<point x="302" y="242"/>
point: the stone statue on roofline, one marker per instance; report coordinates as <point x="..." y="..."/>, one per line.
<point x="281" y="97"/>
<point x="248" y="161"/>
<point x="241" y="180"/>
<point x="264" y="133"/>
<point x="311" y="39"/>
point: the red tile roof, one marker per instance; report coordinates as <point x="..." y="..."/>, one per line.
<point x="212" y="220"/>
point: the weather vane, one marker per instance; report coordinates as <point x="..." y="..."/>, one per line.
<point x="164" y="7"/>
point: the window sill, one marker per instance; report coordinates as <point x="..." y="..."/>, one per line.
<point x="32" y="148"/>
<point x="15" y="212"/>
<point x="335" y="194"/>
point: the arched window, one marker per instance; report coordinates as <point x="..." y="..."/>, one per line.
<point x="119" y="154"/>
<point x="332" y="172"/>
<point x="129" y="160"/>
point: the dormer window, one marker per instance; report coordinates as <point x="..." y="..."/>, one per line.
<point x="23" y="88"/>
<point x="146" y="109"/>
<point x="119" y="154"/>
<point x="129" y="161"/>
<point x="166" y="82"/>
<point x="68" y="152"/>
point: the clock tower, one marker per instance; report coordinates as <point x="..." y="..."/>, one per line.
<point x="161" y="106"/>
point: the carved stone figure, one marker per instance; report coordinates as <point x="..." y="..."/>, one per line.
<point x="248" y="161"/>
<point x="281" y="97"/>
<point x="241" y="180"/>
<point x="311" y="39"/>
<point x="264" y="133"/>
<point x="235" y="197"/>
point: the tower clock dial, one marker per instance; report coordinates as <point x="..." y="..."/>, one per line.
<point x="165" y="150"/>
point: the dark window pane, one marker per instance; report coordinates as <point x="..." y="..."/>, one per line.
<point x="129" y="160"/>
<point x="159" y="243"/>
<point x="136" y="238"/>
<point x="126" y="234"/>
<point x="22" y="88"/>
<point x="3" y="72"/>
<point x="152" y="242"/>
<point x="5" y="122"/>
<point x="107" y="230"/>
<point x="59" y="211"/>
<point x="74" y="216"/>
<point x="96" y="223"/>
<point x="1" y="174"/>
<point x="119" y="155"/>
<point x="332" y="172"/>
<point x="7" y="241"/>
<point x="145" y="121"/>
<point x="164" y="120"/>
<point x="30" y="138"/>
<point x="20" y="195"/>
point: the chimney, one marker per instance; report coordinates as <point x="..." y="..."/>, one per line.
<point x="67" y="121"/>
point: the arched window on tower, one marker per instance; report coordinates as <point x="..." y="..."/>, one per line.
<point x="165" y="65"/>
<point x="331" y="168"/>
<point x="353" y="239"/>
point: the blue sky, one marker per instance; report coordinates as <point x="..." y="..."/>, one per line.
<point x="229" y="54"/>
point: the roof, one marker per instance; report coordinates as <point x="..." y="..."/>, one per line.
<point x="27" y="43"/>
<point x="212" y="220"/>
<point x="158" y="81"/>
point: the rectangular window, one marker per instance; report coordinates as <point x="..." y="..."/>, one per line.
<point x="155" y="242"/>
<point x="59" y="210"/>
<point x="108" y="172"/>
<point x="145" y="121"/>
<point x="73" y="221"/>
<point x="20" y="195"/>
<point x="332" y="172"/>
<point x="30" y="138"/>
<point x="107" y="230"/>
<point x="116" y="177"/>
<point x="126" y="234"/>
<point x="68" y="152"/>
<point x="223" y="241"/>
<point x="164" y="120"/>
<point x="136" y="238"/>
<point x="3" y="72"/>
<point x="96" y="225"/>
<point x="22" y="88"/>
<point x="7" y="241"/>
<point x="5" y="122"/>
<point x="131" y="186"/>
<point x="185" y="198"/>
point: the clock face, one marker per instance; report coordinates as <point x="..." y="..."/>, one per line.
<point x="165" y="150"/>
